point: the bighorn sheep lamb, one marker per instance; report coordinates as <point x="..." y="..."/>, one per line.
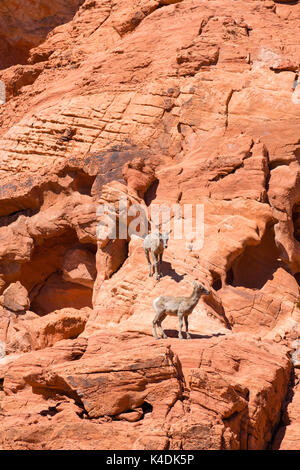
<point x="155" y="243"/>
<point x="176" y="306"/>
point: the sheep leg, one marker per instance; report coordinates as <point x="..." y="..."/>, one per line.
<point x="157" y="271"/>
<point x="149" y="262"/>
<point x="155" y="262"/>
<point x="159" y="321"/>
<point x="186" y="321"/>
<point x="180" y="316"/>
<point x="160" y="261"/>
<point x="154" y="329"/>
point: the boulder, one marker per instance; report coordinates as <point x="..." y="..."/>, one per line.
<point x="79" y="267"/>
<point x="15" y="298"/>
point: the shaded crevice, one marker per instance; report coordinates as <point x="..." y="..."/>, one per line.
<point x="227" y="108"/>
<point x="230" y="277"/>
<point x="38" y="287"/>
<point x="295" y="82"/>
<point x="151" y="193"/>
<point x="83" y="414"/>
<point x="125" y="246"/>
<point x="267" y="178"/>
<point x="51" y="411"/>
<point x="60" y="391"/>
<point x="30" y="28"/>
<point x="42" y="275"/>
<point x="297" y="152"/>
<point x="277" y="163"/>
<point x="204" y="22"/>
<point x="287" y="68"/>
<point x="6" y="220"/>
<point x="147" y="407"/>
<point x="296" y="220"/>
<point x="279" y="431"/>
<point x="257" y="264"/>
<point x="217" y="284"/>
<point x="297" y="277"/>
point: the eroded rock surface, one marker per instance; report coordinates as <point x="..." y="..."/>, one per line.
<point x="208" y="393"/>
<point x="153" y="102"/>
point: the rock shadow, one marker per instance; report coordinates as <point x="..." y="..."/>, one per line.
<point x="167" y="270"/>
<point x="151" y="193"/>
<point x="284" y="421"/>
<point x="174" y="334"/>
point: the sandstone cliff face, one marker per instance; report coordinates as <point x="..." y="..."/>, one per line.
<point x="24" y="26"/>
<point x="156" y="101"/>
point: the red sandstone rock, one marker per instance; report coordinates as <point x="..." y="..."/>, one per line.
<point x="198" y="102"/>
<point x="79" y="267"/>
<point x="27" y="26"/>
<point x="138" y="176"/>
<point x="216" y="403"/>
<point x="15" y="298"/>
<point x="32" y="332"/>
<point x="287" y="436"/>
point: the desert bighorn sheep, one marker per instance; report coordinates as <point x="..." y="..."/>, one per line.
<point x="181" y="307"/>
<point x="155" y="243"/>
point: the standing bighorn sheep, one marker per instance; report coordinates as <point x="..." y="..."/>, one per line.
<point x="155" y="243"/>
<point x="181" y="307"/>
